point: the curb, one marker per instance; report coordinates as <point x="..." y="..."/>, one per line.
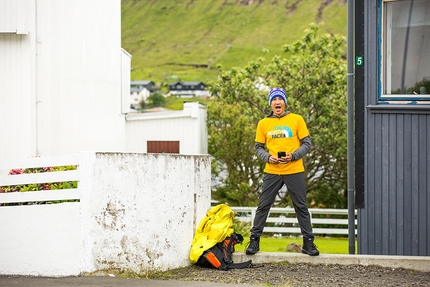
<point x="417" y="263"/>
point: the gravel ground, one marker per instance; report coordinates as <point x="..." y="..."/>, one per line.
<point x="295" y="274"/>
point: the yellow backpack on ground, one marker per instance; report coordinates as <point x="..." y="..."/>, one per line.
<point x="214" y="228"/>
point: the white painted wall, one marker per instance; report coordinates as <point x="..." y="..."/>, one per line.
<point x="60" y="80"/>
<point x="187" y="126"/>
<point x="125" y="81"/>
<point x="64" y="85"/>
<point x="144" y="209"/>
<point x="137" y="212"/>
<point x="13" y="17"/>
<point x="40" y="239"/>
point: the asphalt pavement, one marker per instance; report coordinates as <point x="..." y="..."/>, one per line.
<point x="102" y="281"/>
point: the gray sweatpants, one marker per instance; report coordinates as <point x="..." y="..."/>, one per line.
<point x="296" y="186"/>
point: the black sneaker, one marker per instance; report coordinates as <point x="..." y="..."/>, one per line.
<point x="253" y="245"/>
<point x="309" y="247"/>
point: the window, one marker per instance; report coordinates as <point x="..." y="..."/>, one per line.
<point x="405" y="50"/>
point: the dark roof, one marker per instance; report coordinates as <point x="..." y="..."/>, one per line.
<point x="141" y="83"/>
<point x="149" y="85"/>
<point x="187" y="83"/>
<point x="136" y="89"/>
<point x="193" y="83"/>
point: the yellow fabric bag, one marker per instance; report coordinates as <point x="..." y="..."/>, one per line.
<point x="214" y="228"/>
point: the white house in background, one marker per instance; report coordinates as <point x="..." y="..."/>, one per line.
<point x="188" y="89"/>
<point x="137" y="95"/>
<point x="140" y="91"/>
<point x="65" y="84"/>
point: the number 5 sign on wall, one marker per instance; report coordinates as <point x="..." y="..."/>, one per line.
<point x="359" y="60"/>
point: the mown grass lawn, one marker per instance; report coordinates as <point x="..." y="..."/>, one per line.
<point x="326" y="245"/>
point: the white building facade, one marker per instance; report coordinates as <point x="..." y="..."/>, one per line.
<point x="65" y="80"/>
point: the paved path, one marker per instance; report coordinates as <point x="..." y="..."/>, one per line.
<point x="102" y="281"/>
<point x="419" y="263"/>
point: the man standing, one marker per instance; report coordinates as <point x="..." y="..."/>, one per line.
<point x="286" y="137"/>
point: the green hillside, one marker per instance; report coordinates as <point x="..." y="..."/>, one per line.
<point x="185" y="40"/>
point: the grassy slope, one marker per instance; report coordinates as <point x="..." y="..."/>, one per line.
<point x="174" y="39"/>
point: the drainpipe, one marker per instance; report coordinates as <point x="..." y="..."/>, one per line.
<point x="38" y="88"/>
<point x="350" y="155"/>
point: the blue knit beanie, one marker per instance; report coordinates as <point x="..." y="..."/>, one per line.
<point x="277" y="92"/>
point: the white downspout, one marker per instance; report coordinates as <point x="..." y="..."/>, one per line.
<point x="38" y="89"/>
<point x="350" y="125"/>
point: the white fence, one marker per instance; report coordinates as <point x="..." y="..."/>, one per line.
<point x="283" y="220"/>
<point x="135" y="212"/>
<point x="34" y="178"/>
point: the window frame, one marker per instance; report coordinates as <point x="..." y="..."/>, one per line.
<point x="396" y="98"/>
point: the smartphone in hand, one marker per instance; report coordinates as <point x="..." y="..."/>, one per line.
<point x="281" y="154"/>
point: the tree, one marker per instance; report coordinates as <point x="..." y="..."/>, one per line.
<point x="314" y="77"/>
<point x="157" y="99"/>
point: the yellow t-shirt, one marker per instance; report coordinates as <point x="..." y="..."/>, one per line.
<point x="282" y="134"/>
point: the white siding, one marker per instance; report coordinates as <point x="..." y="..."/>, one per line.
<point x="13" y="16"/>
<point x="64" y="86"/>
<point x="125" y="81"/>
<point x="61" y="84"/>
<point x="187" y="126"/>
<point x="80" y="76"/>
<point x="17" y="100"/>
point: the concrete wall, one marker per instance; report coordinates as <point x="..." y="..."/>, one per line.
<point x="137" y="212"/>
<point x="40" y="239"/>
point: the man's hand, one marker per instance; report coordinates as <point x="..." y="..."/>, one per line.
<point x="286" y="159"/>
<point x="273" y="160"/>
